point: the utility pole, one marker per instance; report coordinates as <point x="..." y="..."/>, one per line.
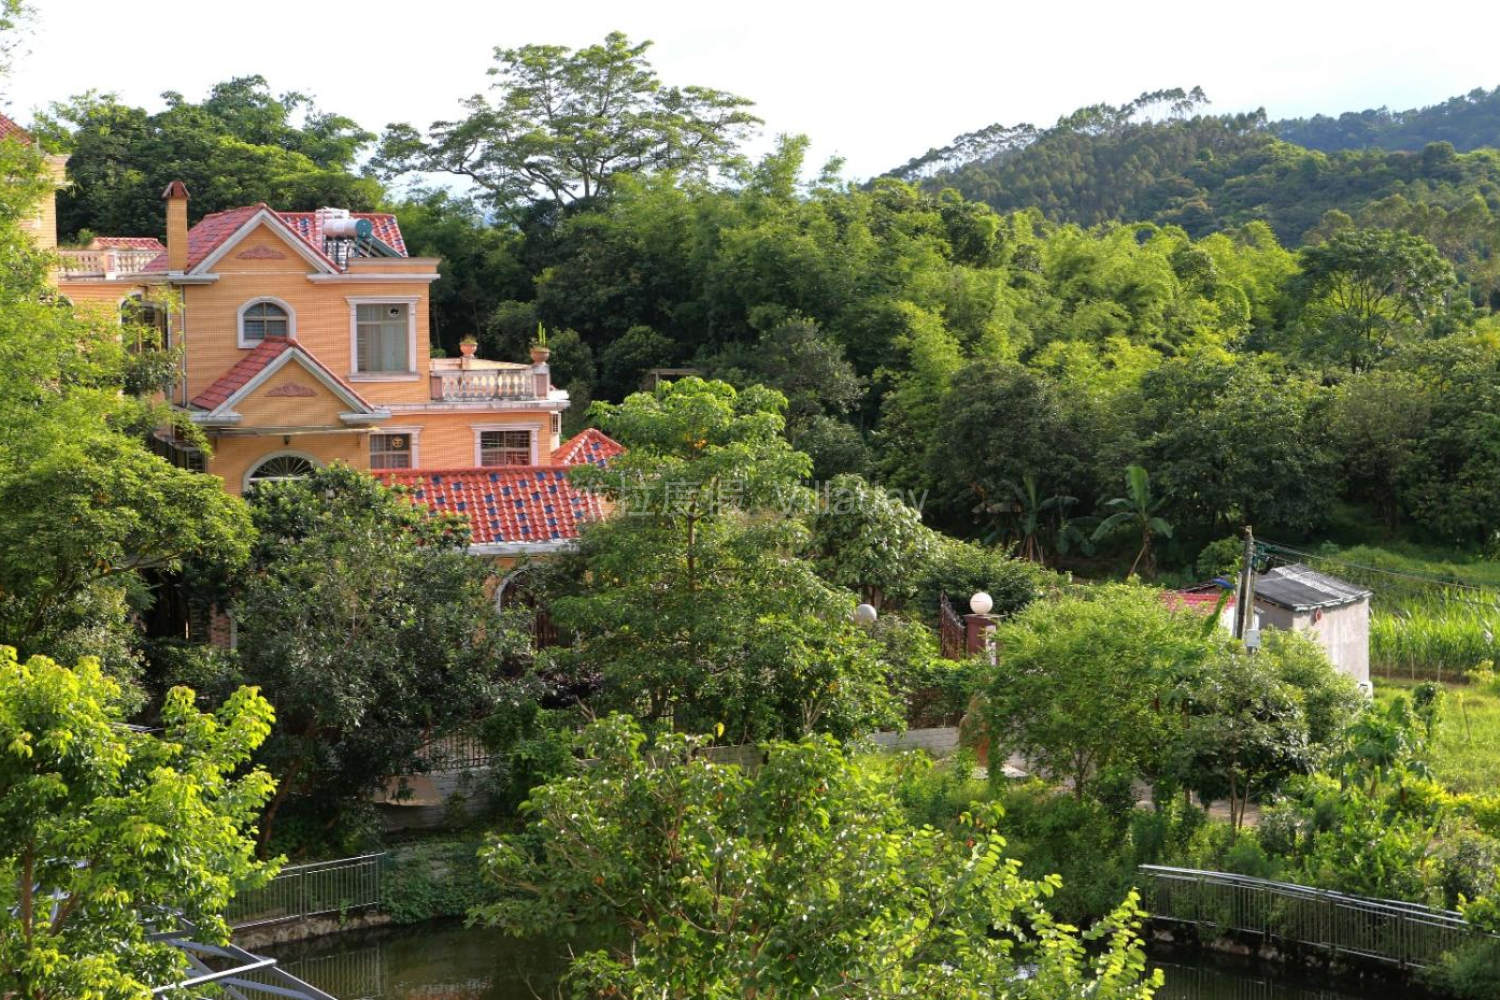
<point x="1244" y="597"/>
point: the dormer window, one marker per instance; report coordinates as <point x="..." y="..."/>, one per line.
<point x="264" y="318"/>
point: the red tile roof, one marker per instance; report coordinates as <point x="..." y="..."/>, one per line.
<point x="10" y="130"/>
<point x="212" y="230"/>
<point x="515" y="503"/>
<point x="206" y="237"/>
<point x="127" y="243"/>
<point x="591" y="445"/>
<point x="251" y="365"/>
<point x="507" y="503"/>
<point x="1195" y="600"/>
<point x="308" y="226"/>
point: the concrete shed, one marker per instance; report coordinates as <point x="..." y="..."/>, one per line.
<point x="1334" y="612"/>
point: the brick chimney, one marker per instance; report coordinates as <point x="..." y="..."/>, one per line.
<point x="176" y="197"/>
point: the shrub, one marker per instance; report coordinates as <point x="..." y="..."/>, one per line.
<point x="433" y="878"/>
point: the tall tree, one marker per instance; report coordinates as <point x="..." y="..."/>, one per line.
<point x="108" y="834"/>
<point x="241" y="144"/>
<point x="1365" y="291"/>
<point x="373" y="627"/>
<point x="567" y="121"/>
<point x="86" y="510"/>
<point x="695" y="604"/>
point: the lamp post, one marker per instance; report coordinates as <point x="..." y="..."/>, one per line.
<point x="865" y="615"/>
<point x="979" y="626"/>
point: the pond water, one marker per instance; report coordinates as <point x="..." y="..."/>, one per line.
<point x="451" y="962"/>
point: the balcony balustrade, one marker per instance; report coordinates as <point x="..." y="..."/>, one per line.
<point x="104" y="263"/>
<point x="484" y="384"/>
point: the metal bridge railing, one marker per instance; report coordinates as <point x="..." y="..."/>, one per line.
<point x="310" y="890"/>
<point x="1403" y="934"/>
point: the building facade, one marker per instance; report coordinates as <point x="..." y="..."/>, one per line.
<point x="302" y="339"/>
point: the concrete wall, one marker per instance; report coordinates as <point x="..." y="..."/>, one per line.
<point x="1344" y="633"/>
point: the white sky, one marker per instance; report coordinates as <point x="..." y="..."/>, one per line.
<point x="876" y="83"/>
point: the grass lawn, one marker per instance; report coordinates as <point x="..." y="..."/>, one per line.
<point x="1467" y="753"/>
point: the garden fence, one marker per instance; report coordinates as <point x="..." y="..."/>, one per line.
<point x="311" y="890"/>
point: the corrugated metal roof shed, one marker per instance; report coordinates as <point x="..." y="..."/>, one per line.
<point x="1299" y="588"/>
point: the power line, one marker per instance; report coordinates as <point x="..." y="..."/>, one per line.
<point x="1431" y="581"/>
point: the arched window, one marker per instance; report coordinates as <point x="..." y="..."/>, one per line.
<point x="139" y="314"/>
<point x="279" y="468"/>
<point x="264" y="318"/>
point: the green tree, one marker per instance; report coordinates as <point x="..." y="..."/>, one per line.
<point x="88" y="516"/>
<point x="372" y="625"/>
<point x="567" y="121"/>
<point x="802" y="879"/>
<point x="1137" y="511"/>
<point x="1245" y="730"/>
<point x="108" y="834"/>
<point x="983" y="450"/>
<point x="869" y="541"/>
<point x="239" y="145"/>
<point x="1365" y="291"/>
<point x="1235" y="441"/>
<point x="87" y="527"/>
<point x="693" y="601"/>
<point x="1078" y="683"/>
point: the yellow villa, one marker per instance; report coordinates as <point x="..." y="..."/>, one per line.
<point x="303" y="339"/>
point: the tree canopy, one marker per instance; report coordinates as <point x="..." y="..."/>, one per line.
<point x="800" y="879"/>
<point x="108" y="834"/>
<point x="372" y="627"/>
<point x="567" y="121"/>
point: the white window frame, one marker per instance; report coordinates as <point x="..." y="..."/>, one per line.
<point x="239" y="321"/>
<point x="411" y="302"/>
<point x="531" y="429"/>
<point x="263" y="459"/>
<point x="415" y="433"/>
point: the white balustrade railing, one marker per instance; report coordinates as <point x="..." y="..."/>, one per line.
<point x="469" y="386"/>
<point x="105" y="263"/>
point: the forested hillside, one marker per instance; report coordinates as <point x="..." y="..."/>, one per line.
<point x="1471" y="121"/>
<point x="1156" y="159"/>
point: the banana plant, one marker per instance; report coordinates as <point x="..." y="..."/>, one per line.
<point x="1136" y="511"/>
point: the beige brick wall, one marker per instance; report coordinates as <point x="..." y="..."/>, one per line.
<point x="445" y="440"/>
<point x="235" y="456"/>
<point x="322" y="315"/>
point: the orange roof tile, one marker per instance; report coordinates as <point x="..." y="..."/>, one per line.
<point x="212" y="230"/>
<point x="508" y="503"/>
<point x="10" y="130"/>
<point x="127" y="243"/>
<point x="308" y="226"/>
<point x="590" y="445"/>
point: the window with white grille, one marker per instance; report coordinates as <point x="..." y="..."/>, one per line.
<point x="260" y="320"/>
